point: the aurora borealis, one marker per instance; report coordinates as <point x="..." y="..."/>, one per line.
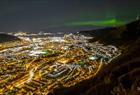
<point x="62" y="15"/>
<point x="109" y="22"/>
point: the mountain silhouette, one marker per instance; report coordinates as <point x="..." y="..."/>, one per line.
<point x="7" y="38"/>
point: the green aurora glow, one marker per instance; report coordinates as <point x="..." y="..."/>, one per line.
<point x="109" y="22"/>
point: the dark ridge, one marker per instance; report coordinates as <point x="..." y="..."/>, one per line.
<point x="7" y="38"/>
<point x="119" y="71"/>
<point x="116" y="35"/>
<point x="122" y="75"/>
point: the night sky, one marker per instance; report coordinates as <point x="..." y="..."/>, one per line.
<point x="65" y="15"/>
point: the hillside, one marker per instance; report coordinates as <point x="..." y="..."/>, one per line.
<point x="7" y="38"/>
